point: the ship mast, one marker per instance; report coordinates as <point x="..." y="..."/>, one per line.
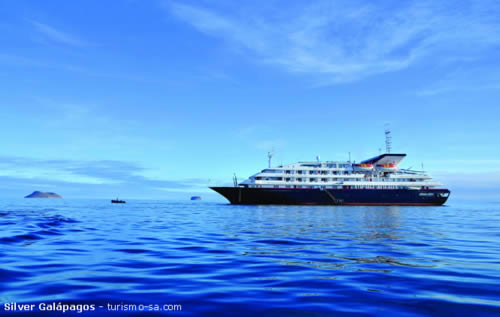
<point x="388" y="139"/>
<point x="270" y="157"/>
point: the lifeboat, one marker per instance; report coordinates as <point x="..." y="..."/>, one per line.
<point x="362" y="167"/>
<point x="386" y="167"/>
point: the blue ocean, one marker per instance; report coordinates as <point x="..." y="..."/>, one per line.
<point x="190" y="258"/>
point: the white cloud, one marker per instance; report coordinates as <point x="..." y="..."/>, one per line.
<point x="58" y="36"/>
<point x="472" y="180"/>
<point x="10" y="59"/>
<point x="470" y="79"/>
<point x="270" y="145"/>
<point x="343" y="41"/>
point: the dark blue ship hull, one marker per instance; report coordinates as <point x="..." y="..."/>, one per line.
<point x="316" y="196"/>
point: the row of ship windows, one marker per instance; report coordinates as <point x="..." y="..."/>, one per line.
<point x="329" y="165"/>
<point x="305" y="172"/>
<point x="337" y="187"/>
<point x="287" y="179"/>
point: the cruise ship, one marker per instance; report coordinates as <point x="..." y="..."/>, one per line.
<point x="376" y="181"/>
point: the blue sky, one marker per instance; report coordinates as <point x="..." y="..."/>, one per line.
<point x="158" y="99"/>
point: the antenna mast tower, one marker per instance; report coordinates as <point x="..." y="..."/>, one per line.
<point x="388" y="139"/>
<point x="270" y="157"/>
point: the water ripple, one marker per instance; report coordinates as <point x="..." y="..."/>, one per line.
<point x="254" y="260"/>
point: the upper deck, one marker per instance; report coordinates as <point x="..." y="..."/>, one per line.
<point x="380" y="172"/>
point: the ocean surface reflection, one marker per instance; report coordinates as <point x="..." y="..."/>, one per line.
<point x="270" y="260"/>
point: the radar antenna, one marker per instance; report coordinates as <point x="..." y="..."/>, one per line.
<point x="388" y="139"/>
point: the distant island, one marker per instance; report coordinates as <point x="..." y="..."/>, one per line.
<point x="37" y="194"/>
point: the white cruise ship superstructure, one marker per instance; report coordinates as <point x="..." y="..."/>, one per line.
<point x="376" y="181"/>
